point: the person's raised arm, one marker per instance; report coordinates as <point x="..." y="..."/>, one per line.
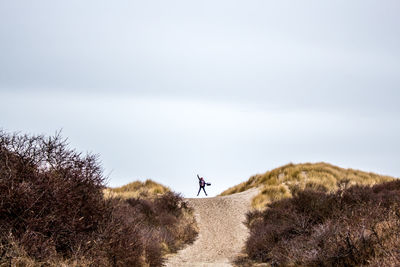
<point x="198" y="177"/>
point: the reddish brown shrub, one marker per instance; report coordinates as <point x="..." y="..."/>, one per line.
<point x="52" y="207"/>
<point x="49" y="194"/>
<point x="356" y="226"/>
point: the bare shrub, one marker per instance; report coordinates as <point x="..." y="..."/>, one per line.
<point x="53" y="211"/>
<point x="50" y="195"/>
<point x="356" y="226"/>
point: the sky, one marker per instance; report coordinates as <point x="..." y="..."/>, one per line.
<point x="165" y="90"/>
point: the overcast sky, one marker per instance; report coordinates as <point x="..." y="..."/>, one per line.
<point x="226" y="89"/>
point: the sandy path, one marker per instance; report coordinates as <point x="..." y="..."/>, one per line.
<point x="221" y="231"/>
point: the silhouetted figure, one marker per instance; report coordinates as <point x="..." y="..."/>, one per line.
<point x="202" y="184"/>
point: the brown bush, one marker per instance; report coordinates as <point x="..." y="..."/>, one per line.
<point x="53" y="210"/>
<point x="49" y="194"/>
<point x="356" y="226"/>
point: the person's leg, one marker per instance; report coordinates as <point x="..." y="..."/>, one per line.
<point x="199" y="191"/>
<point x="204" y="189"/>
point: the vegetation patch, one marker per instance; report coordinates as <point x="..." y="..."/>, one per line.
<point x="54" y="213"/>
<point x="286" y="181"/>
<point x="355" y="226"/>
<point x="137" y="189"/>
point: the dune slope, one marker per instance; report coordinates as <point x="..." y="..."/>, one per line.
<point x="221" y="231"/>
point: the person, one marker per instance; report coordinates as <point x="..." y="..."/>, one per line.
<point x="202" y="184"/>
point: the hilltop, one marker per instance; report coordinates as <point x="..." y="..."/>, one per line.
<point x="322" y="215"/>
<point x="147" y="189"/>
<point x="285" y="181"/>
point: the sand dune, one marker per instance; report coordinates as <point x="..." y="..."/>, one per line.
<point x="221" y="231"/>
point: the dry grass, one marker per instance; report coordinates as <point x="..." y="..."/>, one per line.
<point x="285" y="181"/>
<point x="137" y="189"/>
<point x="16" y="255"/>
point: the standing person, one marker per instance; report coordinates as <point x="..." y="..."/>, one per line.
<point x="202" y="184"/>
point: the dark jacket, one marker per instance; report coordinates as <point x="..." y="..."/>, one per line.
<point x="202" y="182"/>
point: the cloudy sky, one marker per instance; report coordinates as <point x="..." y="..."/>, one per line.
<point x="227" y="89"/>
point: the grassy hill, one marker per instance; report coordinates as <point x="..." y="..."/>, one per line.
<point x="284" y="181"/>
<point x="147" y="189"/>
